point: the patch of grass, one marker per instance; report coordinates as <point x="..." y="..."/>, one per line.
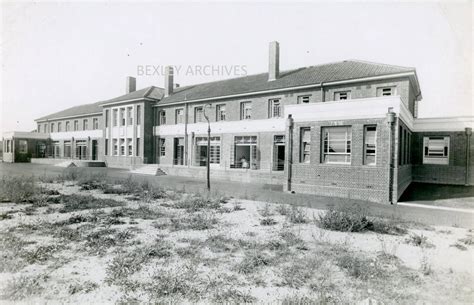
<point x="252" y="261"/>
<point x="296" y="215"/>
<point x="267" y="221"/>
<point x="468" y="240"/>
<point x="82" y="287"/>
<point x="25" y="286"/>
<point x="84" y="202"/>
<point x="232" y="296"/>
<point x="418" y="240"/>
<point x="354" y="218"/>
<point x="124" y="265"/>
<point x="4" y="216"/>
<point x="98" y="242"/>
<point x="221" y="243"/>
<point x="237" y="206"/>
<point x="41" y="254"/>
<point x="173" y="284"/>
<point x="283" y="209"/>
<point x="196" y="203"/>
<point x="299" y="272"/>
<point x="357" y="267"/>
<point x="196" y="221"/>
<point x="266" y="212"/>
<point x="18" y="189"/>
<point x="459" y="246"/>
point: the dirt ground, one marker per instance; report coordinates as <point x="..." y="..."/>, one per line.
<point x="85" y="242"/>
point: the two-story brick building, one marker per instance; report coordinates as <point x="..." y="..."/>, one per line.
<point x="346" y="129"/>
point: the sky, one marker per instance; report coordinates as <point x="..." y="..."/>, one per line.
<point x="57" y="55"/>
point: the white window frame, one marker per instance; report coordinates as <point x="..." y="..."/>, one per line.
<point x="305" y="145"/>
<point x="130" y="116"/>
<point x="85" y="124"/>
<point x="129" y="147"/>
<point x="162" y="147"/>
<point x="303" y="99"/>
<point x="123" y="120"/>
<point x="220" y="112"/>
<point x="115" y="147"/>
<point x="179" y="116"/>
<point x="274" y="108"/>
<point x="342" y="95"/>
<point x="347" y="144"/>
<point x="162" y="117"/>
<point x="95" y="123"/>
<point x="432" y="158"/>
<point x="246" y="110"/>
<point x="198" y="109"/>
<point x="381" y="91"/>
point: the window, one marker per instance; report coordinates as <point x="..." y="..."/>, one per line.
<point x="59" y="126"/>
<point x="130" y="147"/>
<point x="95" y="123"/>
<point x="139" y="114"/>
<point x="305" y="144"/>
<point x="370" y="144"/>
<point x="85" y="124"/>
<point x="122" y="147"/>
<point x="201" y="151"/>
<point x="246" y="110"/>
<point x="386" y="91"/>
<point x="162" y="147"/>
<point x="106" y="147"/>
<point x="179" y="116"/>
<point x="137" y="151"/>
<point x="220" y="112"/>
<point x="52" y="127"/>
<point x="115" y="142"/>
<point x="22" y="146"/>
<point x="342" y="95"/>
<point x="67" y="126"/>
<point x="279" y="153"/>
<point x="45" y="128"/>
<point x="244" y="153"/>
<point x="76" y="125"/>
<point x="39" y="128"/>
<point x="178" y="157"/>
<point x="107" y="118"/>
<point x="436" y="150"/>
<point x="198" y="114"/>
<point x="67" y="149"/>
<point x="129" y="116"/>
<point x="337" y="145"/>
<point x="115" y="117"/>
<point x="122" y="117"/>
<point x="162" y="117"/>
<point x="274" y="108"/>
<point x="303" y="99"/>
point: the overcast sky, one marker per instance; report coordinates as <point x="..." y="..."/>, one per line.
<point x="55" y="56"/>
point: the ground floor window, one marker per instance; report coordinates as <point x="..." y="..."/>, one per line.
<point x="178" y="158"/>
<point x="81" y="149"/>
<point x="115" y="142"/>
<point x="370" y="144"/>
<point x="56" y="149"/>
<point x="122" y="147"/>
<point x="130" y="147"/>
<point x="244" y="152"/>
<point x="436" y="150"/>
<point x="337" y="145"/>
<point x="22" y="146"/>
<point x="279" y="153"/>
<point x="201" y="151"/>
<point x="162" y="147"/>
<point x="67" y="149"/>
<point x="106" y="147"/>
<point x="305" y="145"/>
<point x="138" y="147"/>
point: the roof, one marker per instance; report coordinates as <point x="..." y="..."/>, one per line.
<point x="149" y="92"/>
<point x="339" y="71"/>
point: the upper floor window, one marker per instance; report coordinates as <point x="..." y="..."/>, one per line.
<point x="76" y="125"/>
<point x="68" y="127"/>
<point x="162" y="117"/>
<point x="85" y="124"/>
<point x="52" y="127"/>
<point x="303" y="99"/>
<point x="305" y="144"/>
<point x="122" y="116"/>
<point x="115" y="118"/>
<point x="342" y="95"/>
<point x="337" y="145"/>
<point x="246" y="110"/>
<point x="220" y="112"/>
<point x="179" y="116"/>
<point x="274" y="108"/>
<point x="139" y="114"/>
<point x="198" y="114"/>
<point x="386" y="91"/>
<point x="39" y="128"/>
<point x="129" y="116"/>
<point x="45" y="128"/>
<point x="59" y="127"/>
<point x="95" y="123"/>
<point x="436" y="150"/>
<point x="107" y="118"/>
<point x="370" y="144"/>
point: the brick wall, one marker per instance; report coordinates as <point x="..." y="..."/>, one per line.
<point x="455" y="172"/>
<point x="354" y="180"/>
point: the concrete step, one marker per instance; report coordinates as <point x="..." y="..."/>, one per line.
<point x="150" y="169"/>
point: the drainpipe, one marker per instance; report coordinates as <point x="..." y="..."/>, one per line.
<point x="13" y="149"/>
<point x="468" y="152"/>
<point x="289" y="124"/>
<point x="186" y="134"/>
<point x="323" y="95"/>
<point x="390" y="121"/>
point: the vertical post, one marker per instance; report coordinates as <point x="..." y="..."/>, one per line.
<point x="208" y="174"/>
<point x="390" y="121"/>
<point x="468" y="153"/>
<point x="289" y="162"/>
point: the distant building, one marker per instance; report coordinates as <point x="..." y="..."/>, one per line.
<point x="346" y="129"/>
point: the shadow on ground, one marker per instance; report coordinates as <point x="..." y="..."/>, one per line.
<point x="432" y="192"/>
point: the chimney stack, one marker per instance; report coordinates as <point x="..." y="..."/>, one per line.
<point x="274" y="61"/>
<point x="168" y="81"/>
<point x="130" y="85"/>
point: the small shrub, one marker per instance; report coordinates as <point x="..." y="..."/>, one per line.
<point x="174" y="283"/>
<point x="197" y="203"/>
<point x="283" y="209"/>
<point x="40" y="254"/>
<point x="266" y="212"/>
<point x="237" y="206"/>
<point x="124" y="265"/>
<point x="4" y="216"/>
<point x="267" y="221"/>
<point x="296" y="215"/>
<point x="23" y="287"/>
<point x="419" y="240"/>
<point x="80" y="202"/>
<point x="357" y="267"/>
<point x="18" y="189"/>
<point x="459" y="246"/>
<point x="232" y="296"/>
<point x="84" y="287"/>
<point x="468" y="240"/>
<point x="252" y="261"/>
<point x="299" y="272"/>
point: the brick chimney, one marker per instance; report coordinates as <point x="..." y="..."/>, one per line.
<point x="168" y="81"/>
<point x="130" y="85"/>
<point x="274" y="61"/>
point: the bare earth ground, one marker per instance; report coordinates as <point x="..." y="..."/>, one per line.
<point x="82" y="243"/>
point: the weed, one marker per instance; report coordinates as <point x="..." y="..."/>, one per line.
<point x="299" y="271"/>
<point x="267" y="221"/>
<point x="40" y="254"/>
<point x="84" y="287"/>
<point x="296" y="215"/>
<point x="197" y="203"/>
<point x="80" y="202"/>
<point x="459" y="246"/>
<point x="177" y="282"/>
<point x="266" y="212"/>
<point x="419" y="240"/>
<point x="18" y="189"/>
<point x="25" y="286"/>
<point x="237" y="206"/>
<point x="232" y="296"/>
<point x="4" y="216"/>
<point x="252" y="261"/>
<point x="124" y="265"/>
<point x="361" y="268"/>
<point x="283" y="209"/>
<point x="468" y="240"/>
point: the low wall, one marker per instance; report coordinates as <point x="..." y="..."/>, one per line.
<point x="237" y="175"/>
<point x="50" y="161"/>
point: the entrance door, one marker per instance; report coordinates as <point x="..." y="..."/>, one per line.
<point x="279" y="153"/>
<point x="202" y="155"/>
<point x="94" y="149"/>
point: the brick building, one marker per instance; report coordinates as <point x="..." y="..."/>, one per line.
<point x="346" y="129"/>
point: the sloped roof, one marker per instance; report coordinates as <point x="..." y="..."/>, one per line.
<point x="149" y="92"/>
<point x="344" y="70"/>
